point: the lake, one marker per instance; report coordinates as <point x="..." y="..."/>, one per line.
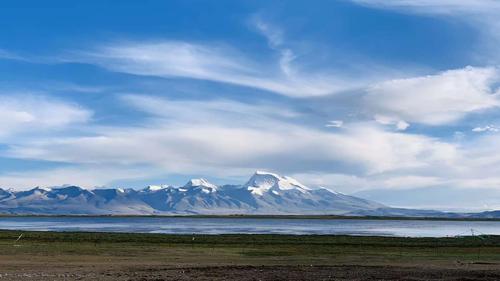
<point x="187" y="225"/>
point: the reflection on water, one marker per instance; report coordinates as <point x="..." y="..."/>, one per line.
<point x="411" y="228"/>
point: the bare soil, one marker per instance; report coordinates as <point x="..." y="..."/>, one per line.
<point x="245" y="273"/>
<point x="51" y="256"/>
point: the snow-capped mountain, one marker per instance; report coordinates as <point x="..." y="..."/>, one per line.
<point x="263" y="193"/>
<point x="201" y="184"/>
<point x="153" y="188"/>
<point x="263" y="182"/>
<point x="4" y="194"/>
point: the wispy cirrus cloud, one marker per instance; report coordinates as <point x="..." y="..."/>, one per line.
<point x="4" y="54"/>
<point x="275" y="38"/>
<point x="214" y="136"/>
<point x="213" y="111"/>
<point x="218" y="63"/>
<point x="479" y="14"/>
<point x="445" y="7"/>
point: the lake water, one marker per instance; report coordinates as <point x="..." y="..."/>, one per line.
<point x="179" y="225"/>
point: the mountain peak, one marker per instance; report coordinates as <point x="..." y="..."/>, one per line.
<point x="262" y="181"/>
<point x="43" y="189"/>
<point x="4" y="193"/>
<point x="153" y="188"/>
<point x="67" y="187"/>
<point x="204" y="184"/>
<point x="332" y="191"/>
<point x="72" y="191"/>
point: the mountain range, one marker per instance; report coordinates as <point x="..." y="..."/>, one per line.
<point x="263" y="194"/>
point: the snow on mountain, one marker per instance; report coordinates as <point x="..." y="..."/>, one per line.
<point x="263" y="193"/>
<point x="5" y="194"/>
<point x="153" y="188"/>
<point x="203" y="184"/>
<point x="32" y="194"/>
<point x="262" y="182"/>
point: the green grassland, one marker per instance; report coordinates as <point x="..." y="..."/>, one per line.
<point x="248" y="249"/>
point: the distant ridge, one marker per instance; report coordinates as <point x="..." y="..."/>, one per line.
<point x="264" y="193"/>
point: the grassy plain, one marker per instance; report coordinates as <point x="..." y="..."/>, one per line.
<point x="120" y="256"/>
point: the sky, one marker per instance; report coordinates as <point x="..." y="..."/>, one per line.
<point x="393" y="100"/>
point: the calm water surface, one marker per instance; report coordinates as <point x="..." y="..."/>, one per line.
<point x="412" y="228"/>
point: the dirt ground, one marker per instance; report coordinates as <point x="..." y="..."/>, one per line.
<point x="243" y="273"/>
<point x="106" y="256"/>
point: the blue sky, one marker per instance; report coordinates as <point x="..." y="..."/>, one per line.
<point x="366" y="97"/>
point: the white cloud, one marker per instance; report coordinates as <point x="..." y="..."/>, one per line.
<point x="444" y="7"/>
<point x="273" y="34"/>
<point x="215" y="111"/>
<point x="479" y="14"/>
<point x="31" y="113"/>
<point x="275" y="38"/>
<point x="400" y="125"/>
<point x="4" y="54"/>
<point x="435" y="99"/>
<point x="228" y="138"/>
<point x="487" y="128"/>
<point x="287" y="57"/>
<point x="410" y="181"/>
<point x="84" y="176"/>
<point x="217" y="63"/>
<point x="200" y="137"/>
<point x="335" y="124"/>
<point x="473" y="164"/>
<point x="348" y="183"/>
<point x="228" y="151"/>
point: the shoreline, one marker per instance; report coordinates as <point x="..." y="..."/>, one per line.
<point x="238" y="238"/>
<point x="311" y="217"/>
